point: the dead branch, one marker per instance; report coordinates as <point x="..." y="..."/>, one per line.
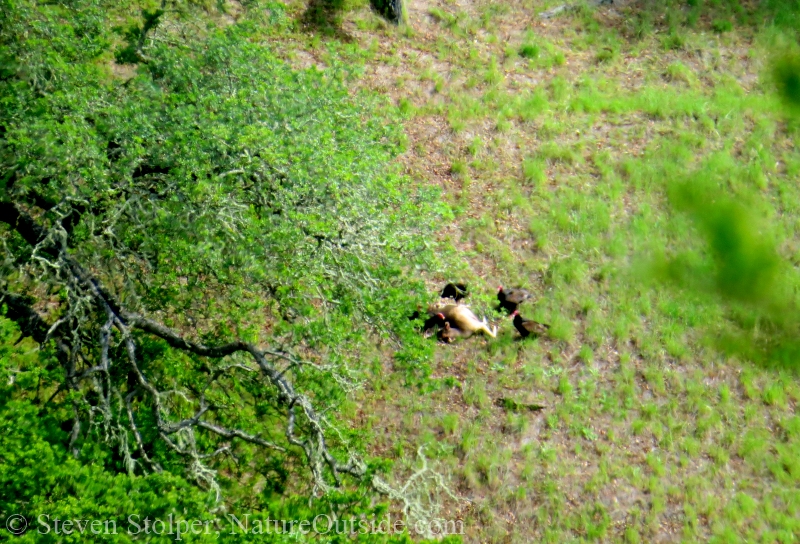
<point x="305" y="428"/>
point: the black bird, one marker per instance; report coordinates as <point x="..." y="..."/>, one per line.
<point x="448" y="333"/>
<point x="526" y="327"/>
<point x="437" y="320"/>
<point x="510" y="299"/>
<point x="456" y="291"/>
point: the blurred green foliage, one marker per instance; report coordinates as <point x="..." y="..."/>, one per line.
<point x="730" y="255"/>
<point x="786" y="73"/>
<point x="742" y="263"/>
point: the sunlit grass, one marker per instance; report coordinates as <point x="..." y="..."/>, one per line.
<point x="559" y="146"/>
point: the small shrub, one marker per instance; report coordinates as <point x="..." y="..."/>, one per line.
<point x="606" y="54"/>
<point x="529" y="51"/>
<point x="673" y="41"/>
<point x="721" y="25"/>
<point x="677" y="71"/>
<point x="533" y="171"/>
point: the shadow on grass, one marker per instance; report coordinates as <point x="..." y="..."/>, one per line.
<point x="325" y="17"/>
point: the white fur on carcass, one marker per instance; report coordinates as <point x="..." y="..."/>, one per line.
<point x="463" y="319"/>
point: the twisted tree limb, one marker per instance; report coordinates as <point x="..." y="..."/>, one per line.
<point x="305" y="429"/>
<point x="311" y="441"/>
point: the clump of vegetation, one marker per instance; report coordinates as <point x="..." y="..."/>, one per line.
<point x="786" y="74"/>
<point x="529" y="51"/>
<point x="201" y="250"/>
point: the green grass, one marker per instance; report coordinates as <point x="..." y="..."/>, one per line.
<point x="557" y="148"/>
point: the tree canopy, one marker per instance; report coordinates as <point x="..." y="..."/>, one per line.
<point x="200" y="238"/>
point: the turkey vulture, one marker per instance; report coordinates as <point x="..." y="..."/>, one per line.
<point x="510" y="299"/>
<point x="456" y="291"/>
<point x="448" y="333"/>
<point x="527" y="327"/>
<point x="436" y="320"/>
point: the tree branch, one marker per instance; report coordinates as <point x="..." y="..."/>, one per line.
<point x="313" y="445"/>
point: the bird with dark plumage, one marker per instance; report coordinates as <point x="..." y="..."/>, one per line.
<point x="456" y="291"/>
<point x="436" y="320"/>
<point x="510" y="299"/>
<point x="449" y="333"/>
<point x="526" y="327"/>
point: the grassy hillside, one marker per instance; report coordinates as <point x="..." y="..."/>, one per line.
<point x="591" y="158"/>
<point x="557" y="142"/>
